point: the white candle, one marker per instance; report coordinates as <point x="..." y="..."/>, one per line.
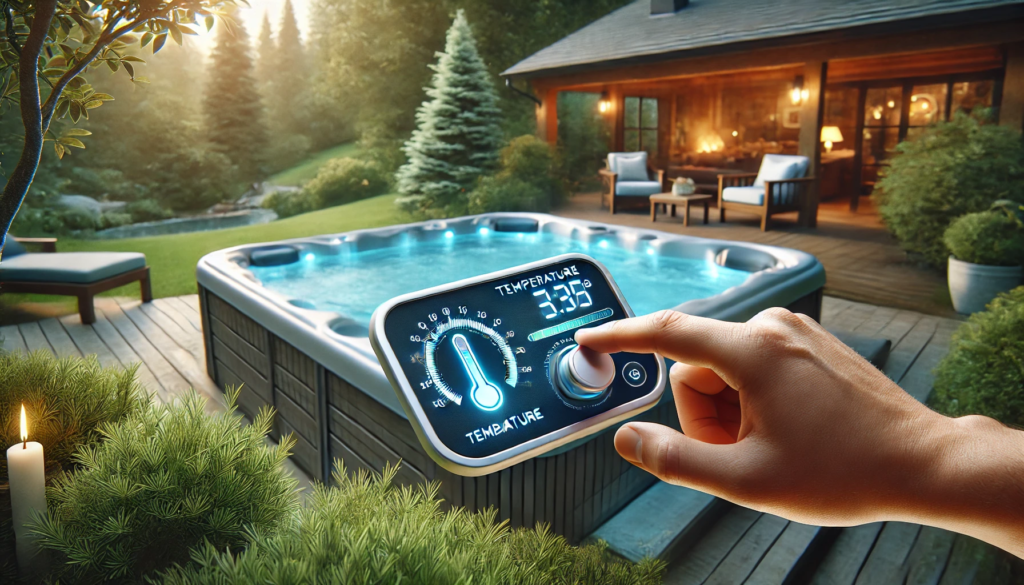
<point x="27" y="474"/>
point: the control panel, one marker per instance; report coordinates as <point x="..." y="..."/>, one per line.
<point x="489" y="373"/>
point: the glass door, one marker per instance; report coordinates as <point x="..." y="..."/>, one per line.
<point x="881" y="133"/>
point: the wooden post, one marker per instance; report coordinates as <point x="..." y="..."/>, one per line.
<point x="1011" y="110"/>
<point x="812" y="114"/>
<point x="547" y="114"/>
<point x="618" y="105"/>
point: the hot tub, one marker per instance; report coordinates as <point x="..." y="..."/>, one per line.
<point x="288" y="322"/>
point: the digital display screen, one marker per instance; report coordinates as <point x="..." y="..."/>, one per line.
<point x="482" y="359"/>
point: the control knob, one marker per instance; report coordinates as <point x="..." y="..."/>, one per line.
<point x="584" y="374"/>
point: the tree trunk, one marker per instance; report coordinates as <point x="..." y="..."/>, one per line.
<point x="31" y="117"/>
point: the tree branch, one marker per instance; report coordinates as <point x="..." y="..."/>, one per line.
<point x="31" y="115"/>
<point x="106" y="37"/>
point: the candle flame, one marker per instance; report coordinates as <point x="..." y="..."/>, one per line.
<point x="24" y="425"/>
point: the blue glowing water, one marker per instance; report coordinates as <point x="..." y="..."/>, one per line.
<point x="357" y="283"/>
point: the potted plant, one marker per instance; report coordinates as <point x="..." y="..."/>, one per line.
<point x="987" y="251"/>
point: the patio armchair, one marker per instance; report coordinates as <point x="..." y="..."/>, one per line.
<point x="76" y="274"/>
<point x="630" y="177"/>
<point x="778" y="187"/>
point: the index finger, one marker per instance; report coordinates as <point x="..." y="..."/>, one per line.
<point x="684" y="338"/>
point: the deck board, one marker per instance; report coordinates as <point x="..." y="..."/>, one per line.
<point x="172" y="383"/>
<point x="177" y="314"/>
<point x="12" y="340"/>
<point x="842" y="563"/>
<point x="88" y="342"/>
<point x="34" y="338"/>
<point x="698" y="563"/>
<point x="59" y="338"/>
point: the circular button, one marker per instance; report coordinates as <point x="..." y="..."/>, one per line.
<point x="583" y="374"/>
<point x="634" y="374"/>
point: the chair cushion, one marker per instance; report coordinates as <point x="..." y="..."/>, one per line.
<point x="12" y="248"/>
<point x="775" y="167"/>
<point x="69" y="267"/>
<point x="748" y="195"/>
<point x="637" y="188"/>
<point x="630" y="166"/>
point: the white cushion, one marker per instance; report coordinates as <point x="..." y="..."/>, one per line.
<point x="630" y="166"/>
<point x="637" y="188"/>
<point x="748" y="195"/>
<point x="775" y="167"/>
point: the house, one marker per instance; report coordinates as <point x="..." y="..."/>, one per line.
<point x="710" y="86"/>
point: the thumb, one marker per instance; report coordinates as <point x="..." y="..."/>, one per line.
<point x="675" y="458"/>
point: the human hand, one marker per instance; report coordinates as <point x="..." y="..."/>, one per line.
<point x="780" y="416"/>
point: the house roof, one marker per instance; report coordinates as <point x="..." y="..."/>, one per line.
<point x="632" y="33"/>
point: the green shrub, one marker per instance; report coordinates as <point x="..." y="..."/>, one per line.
<point x="163" y="482"/>
<point x="983" y="373"/>
<point x="147" y="210"/>
<point x="66" y="401"/>
<point x="994" y="238"/>
<point x="344" y="180"/>
<point x="286" y="204"/>
<point x="956" y="167"/>
<point x="103" y="183"/>
<point x="528" y="180"/>
<point x="367" y="531"/>
<point x="113" y="219"/>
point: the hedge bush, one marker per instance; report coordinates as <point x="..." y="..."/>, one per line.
<point x="163" y="482"/>
<point x="993" y="238"/>
<point x="147" y="210"/>
<point x="344" y="180"/>
<point x="67" y="401"/>
<point x="286" y="204"/>
<point x="529" y="180"/>
<point x="956" y="167"/>
<point x="367" y="531"/>
<point x="983" y="373"/>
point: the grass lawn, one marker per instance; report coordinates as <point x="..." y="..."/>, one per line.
<point x="173" y="258"/>
<point x="306" y="170"/>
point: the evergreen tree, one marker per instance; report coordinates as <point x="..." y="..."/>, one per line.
<point x="288" y="93"/>
<point x="458" y="133"/>
<point x="266" y="56"/>
<point x="234" y="113"/>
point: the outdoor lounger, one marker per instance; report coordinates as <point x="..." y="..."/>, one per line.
<point x="77" y="274"/>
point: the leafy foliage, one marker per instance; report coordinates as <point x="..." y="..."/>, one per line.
<point x="994" y="238"/>
<point x="956" y="167"/>
<point x="286" y="204"/>
<point x="66" y="401"/>
<point x="164" y="481"/>
<point x="528" y="180"/>
<point x="983" y="373"/>
<point x="344" y="180"/>
<point x="234" y="112"/>
<point x="583" y="135"/>
<point x="147" y="210"/>
<point x="458" y="134"/>
<point x="365" y="530"/>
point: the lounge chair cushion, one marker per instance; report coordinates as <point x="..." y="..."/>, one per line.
<point x="637" y="188"/>
<point x="779" y="167"/>
<point x="629" y="166"/>
<point x="748" y="195"/>
<point x="12" y="248"/>
<point x="69" y="267"/>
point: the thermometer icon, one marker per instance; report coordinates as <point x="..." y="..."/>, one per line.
<point x="485" y="395"/>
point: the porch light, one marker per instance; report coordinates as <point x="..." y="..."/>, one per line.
<point x="829" y="135"/>
<point x="798" y="94"/>
<point x="604" y="105"/>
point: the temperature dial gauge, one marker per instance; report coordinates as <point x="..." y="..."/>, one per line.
<point x="466" y="354"/>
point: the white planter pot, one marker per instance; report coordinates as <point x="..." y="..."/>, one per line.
<point x="972" y="286"/>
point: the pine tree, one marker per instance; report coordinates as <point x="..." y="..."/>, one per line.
<point x="288" y="104"/>
<point x="266" y="56"/>
<point x="458" y="133"/>
<point x="234" y="113"/>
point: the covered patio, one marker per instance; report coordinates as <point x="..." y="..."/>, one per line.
<point x="708" y="88"/>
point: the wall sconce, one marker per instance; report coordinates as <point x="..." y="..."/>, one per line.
<point x="604" y="105"/>
<point x="798" y="94"/>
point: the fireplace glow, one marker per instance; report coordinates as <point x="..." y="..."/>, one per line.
<point x="710" y="143"/>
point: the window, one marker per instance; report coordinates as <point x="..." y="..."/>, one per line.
<point x="640" y="125"/>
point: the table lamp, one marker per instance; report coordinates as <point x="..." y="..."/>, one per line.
<point x="829" y="135"/>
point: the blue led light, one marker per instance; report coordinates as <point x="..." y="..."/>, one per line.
<point x="449" y="234"/>
<point x="520" y="235"/>
<point x="310" y="257"/>
<point x="650" y="251"/>
<point x="603" y="244"/>
<point x="484" y="231"/>
<point x="486" y="395"/>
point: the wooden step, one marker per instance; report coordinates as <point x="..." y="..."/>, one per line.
<point x="660" y="522"/>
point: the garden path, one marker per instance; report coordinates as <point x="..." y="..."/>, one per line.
<point x="165" y="338"/>
<point x="862" y="261"/>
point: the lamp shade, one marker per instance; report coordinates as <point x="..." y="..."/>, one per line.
<point x="831" y="134"/>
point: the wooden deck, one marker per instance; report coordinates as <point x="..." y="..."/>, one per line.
<point x="741" y="546"/>
<point x="862" y="261"/>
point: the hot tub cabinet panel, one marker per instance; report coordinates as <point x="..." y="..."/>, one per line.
<point x="329" y="392"/>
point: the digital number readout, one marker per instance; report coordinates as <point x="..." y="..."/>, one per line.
<point x="567" y="298"/>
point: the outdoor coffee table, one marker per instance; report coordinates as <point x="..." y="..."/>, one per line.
<point x="667" y="199"/>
